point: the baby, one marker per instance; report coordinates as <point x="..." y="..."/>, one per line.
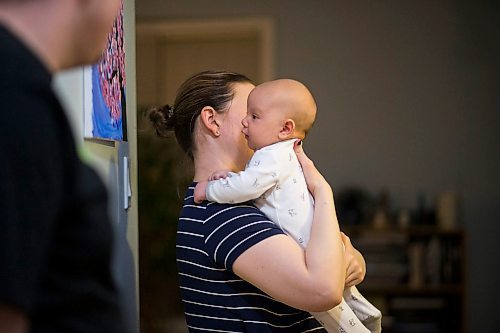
<point x="279" y="113"/>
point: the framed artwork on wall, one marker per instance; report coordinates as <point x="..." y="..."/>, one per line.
<point x="104" y="88"/>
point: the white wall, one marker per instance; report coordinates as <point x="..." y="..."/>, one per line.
<point x="408" y="100"/>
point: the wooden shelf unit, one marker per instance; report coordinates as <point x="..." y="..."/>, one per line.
<point x="415" y="275"/>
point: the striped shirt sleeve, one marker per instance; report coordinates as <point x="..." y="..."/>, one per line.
<point x="234" y="229"/>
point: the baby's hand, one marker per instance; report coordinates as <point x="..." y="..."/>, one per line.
<point x="200" y="193"/>
<point x="221" y="174"/>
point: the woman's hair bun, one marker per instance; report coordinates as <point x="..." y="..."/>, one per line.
<point x="162" y="119"/>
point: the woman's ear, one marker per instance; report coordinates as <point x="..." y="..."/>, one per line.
<point x="287" y="130"/>
<point x="209" y="120"/>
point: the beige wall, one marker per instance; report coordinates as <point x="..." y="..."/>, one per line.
<point x="408" y="100"/>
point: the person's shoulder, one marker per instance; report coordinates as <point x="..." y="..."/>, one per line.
<point x="215" y="209"/>
<point x="21" y="67"/>
<point x="25" y="89"/>
<point x="217" y="214"/>
<point x="31" y="112"/>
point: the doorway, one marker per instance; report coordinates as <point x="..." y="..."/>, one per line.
<point x="169" y="52"/>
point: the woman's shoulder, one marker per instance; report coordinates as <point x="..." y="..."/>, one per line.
<point x="227" y="211"/>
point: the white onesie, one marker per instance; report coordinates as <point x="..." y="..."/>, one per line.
<point x="274" y="176"/>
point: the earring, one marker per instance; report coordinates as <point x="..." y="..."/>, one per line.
<point x="217" y="133"/>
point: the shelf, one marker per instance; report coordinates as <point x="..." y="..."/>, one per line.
<point x="424" y="230"/>
<point x="449" y="289"/>
<point x="415" y="275"/>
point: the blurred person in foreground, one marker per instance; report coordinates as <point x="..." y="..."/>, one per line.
<point x="56" y="235"/>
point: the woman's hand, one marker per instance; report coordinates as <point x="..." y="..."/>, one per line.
<point x="355" y="264"/>
<point x="314" y="179"/>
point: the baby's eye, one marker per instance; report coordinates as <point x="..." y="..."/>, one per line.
<point x="254" y="116"/>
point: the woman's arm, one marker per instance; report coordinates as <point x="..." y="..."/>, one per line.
<point x="313" y="278"/>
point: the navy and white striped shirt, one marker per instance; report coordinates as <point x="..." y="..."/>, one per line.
<point x="210" y="237"/>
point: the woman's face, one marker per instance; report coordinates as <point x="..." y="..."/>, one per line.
<point x="231" y="126"/>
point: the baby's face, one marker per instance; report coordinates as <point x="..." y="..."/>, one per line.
<point x="262" y="124"/>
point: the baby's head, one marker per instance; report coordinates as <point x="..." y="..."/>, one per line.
<point x="278" y="110"/>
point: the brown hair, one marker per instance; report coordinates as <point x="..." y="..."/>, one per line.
<point x="208" y="88"/>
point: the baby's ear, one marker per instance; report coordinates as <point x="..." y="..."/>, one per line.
<point x="287" y="130"/>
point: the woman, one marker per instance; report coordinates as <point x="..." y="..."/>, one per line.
<point x="238" y="271"/>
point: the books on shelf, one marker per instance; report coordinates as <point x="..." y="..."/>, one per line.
<point x="415" y="260"/>
<point x="417" y="274"/>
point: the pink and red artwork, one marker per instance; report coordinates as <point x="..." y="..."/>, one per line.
<point x="105" y="88"/>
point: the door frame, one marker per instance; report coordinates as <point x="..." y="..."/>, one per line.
<point x="262" y="27"/>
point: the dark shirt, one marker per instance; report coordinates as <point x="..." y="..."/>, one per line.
<point x="55" y="234"/>
<point x="210" y="237"/>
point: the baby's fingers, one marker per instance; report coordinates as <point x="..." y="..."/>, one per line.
<point x="221" y="174"/>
